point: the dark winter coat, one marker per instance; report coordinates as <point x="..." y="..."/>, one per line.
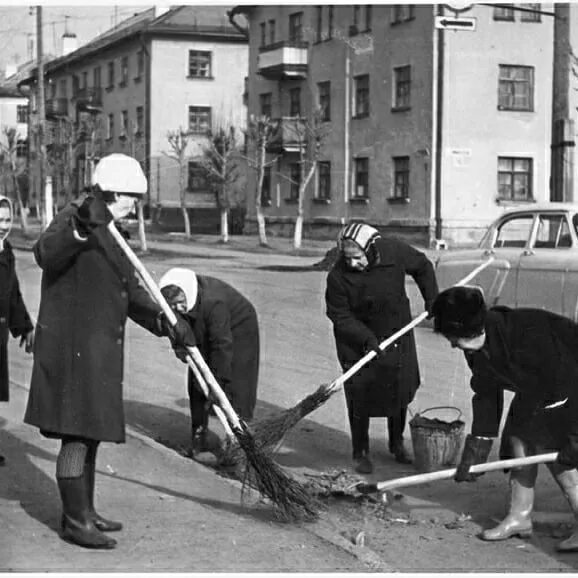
<point x="227" y="334"/>
<point x="374" y="302"/>
<point x="533" y="353"/>
<point x="14" y="318"/>
<point x="88" y="290"/>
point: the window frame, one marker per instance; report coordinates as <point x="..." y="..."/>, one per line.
<point x="265" y="197"/>
<point x="362" y="106"/>
<point x="196" y="174"/>
<point x="323" y="192"/>
<point x="97" y="76"/>
<point x="401" y="177"/>
<point x="197" y="112"/>
<point x="504" y="13"/>
<point x="402" y="87"/>
<point x="110" y="127"/>
<point x="532" y="17"/>
<point x="324" y="99"/>
<point x="21" y="148"/>
<point x="296" y="27"/>
<point x="295" y="109"/>
<point x="272" y="30"/>
<point x="512" y="173"/>
<point x="360" y="163"/>
<point x="110" y="74"/>
<point x="197" y="61"/>
<point x="140" y="121"/>
<point x="124" y="124"/>
<point x="295" y="176"/>
<point x="266" y="102"/>
<point x="401" y="13"/>
<point x="22" y="113"/>
<point x="507" y="88"/>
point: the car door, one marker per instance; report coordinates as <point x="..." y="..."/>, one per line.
<point x="544" y="263"/>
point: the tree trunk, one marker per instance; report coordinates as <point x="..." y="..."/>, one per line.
<point x="298" y="233"/>
<point x="186" y="219"/>
<point x="224" y="225"/>
<point x="260" y="217"/>
<point x="141" y="226"/>
<point x="21" y="208"/>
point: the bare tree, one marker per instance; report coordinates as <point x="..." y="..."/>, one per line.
<point x="221" y="164"/>
<point x="261" y="132"/>
<point x="15" y="170"/>
<point x="179" y="141"/>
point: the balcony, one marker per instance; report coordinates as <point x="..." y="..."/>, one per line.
<point x="290" y="135"/>
<point x="283" y="60"/>
<point x="89" y="99"/>
<point x="56" y="107"/>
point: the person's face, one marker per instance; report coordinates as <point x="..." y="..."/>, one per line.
<point x="5" y="221"/>
<point x="354" y="257"/>
<point x="468" y="343"/>
<point x="121" y="205"/>
<point x="178" y="302"/>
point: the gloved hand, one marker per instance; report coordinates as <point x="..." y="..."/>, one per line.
<point x="429" y="309"/>
<point x="180" y="335"/>
<point x="93" y="213"/>
<point x="372" y="344"/>
<point x="476" y="451"/>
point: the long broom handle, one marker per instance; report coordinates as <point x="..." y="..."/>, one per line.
<point x="477" y="469"/>
<point x="201" y="372"/>
<point x="387" y="342"/>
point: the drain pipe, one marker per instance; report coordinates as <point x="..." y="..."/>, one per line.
<point x="439" y="128"/>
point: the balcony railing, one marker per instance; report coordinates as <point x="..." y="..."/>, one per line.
<point x="89" y="99"/>
<point x="289" y="136"/>
<point x="56" y="107"/>
<point x="283" y="60"/>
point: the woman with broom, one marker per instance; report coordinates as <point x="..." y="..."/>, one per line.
<point x="366" y="301"/>
<point x="88" y="290"/>
<point x="533" y="353"/>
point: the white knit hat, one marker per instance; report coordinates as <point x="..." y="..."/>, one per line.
<point x="184" y="279"/>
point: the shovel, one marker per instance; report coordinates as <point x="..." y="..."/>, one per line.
<point x="365" y="488"/>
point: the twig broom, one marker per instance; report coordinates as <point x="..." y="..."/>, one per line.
<point x="291" y="500"/>
<point x="270" y="432"/>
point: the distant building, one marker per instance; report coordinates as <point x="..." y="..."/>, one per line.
<point x="126" y="89"/>
<point x="394" y="157"/>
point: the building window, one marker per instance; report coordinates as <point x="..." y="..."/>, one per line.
<point x="139" y="120"/>
<point x="295" y="181"/>
<point x="197" y="181"/>
<point x="63" y="88"/>
<point x="200" y="64"/>
<point x="402" y="13"/>
<point x="22" y="113"/>
<point x="295" y="102"/>
<point x="516" y="88"/>
<point x="266" y="189"/>
<point x="354" y="28"/>
<point x="324" y="89"/>
<point x="401" y="177"/>
<point x="504" y="12"/>
<point x="330" y="23"/>
<point x="265" y="104"/>
<point x="361" y="96"/>
<point x="515" y="179"/>
<point x="402" y="86"/>
<point x="96" y="77"/>
<point x="124" y="71"/>
<point x="319" y="24"/>
<point x="324" y="180"/>
<point x="140" y="55"/>
<point x="361" y="175"/>
<point x="110" y="127"/>
<point x="199" y="119"/>
<point x="21" y="148"/>
<point x="263" y="29"/>
<point x="124" y="123"/>
<point x="84" y="80"/>
<point x="296" y="27"/>
<point x="531" y="16"/>
<point x="271" y="31"/>
<point x="110" y="75"/>
<point x="75" y="85"/>
<point x="368" y="17"/>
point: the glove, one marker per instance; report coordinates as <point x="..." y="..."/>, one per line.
<point x="429" y="309"/>
<point x="93" y="213"/>
<point x="180" y="335"/>
<point x="372" y="344"/>
<point x="476" y="451"/>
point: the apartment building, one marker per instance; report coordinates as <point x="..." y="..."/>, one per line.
<point x="154" y="73"/>
<point x="431" y="131"/>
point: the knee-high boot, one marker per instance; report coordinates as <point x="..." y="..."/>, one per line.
<point x="518" y="522"/>
<point x="101" y="523"/>
<point x="568" y="481"/>
<point x="77" y="524"/>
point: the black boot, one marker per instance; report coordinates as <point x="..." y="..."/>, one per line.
<point x="395" y="427"/>
<point x="101" y="523"/>
<point x="77" y="524"/>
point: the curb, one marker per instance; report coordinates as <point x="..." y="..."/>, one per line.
<point x="321" y="528"/>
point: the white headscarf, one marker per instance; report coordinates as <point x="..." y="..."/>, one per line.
<point x="3" y="198"/>
<point x="184" y="279"/>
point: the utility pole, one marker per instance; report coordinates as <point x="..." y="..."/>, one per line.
<point x="45" y="203"/>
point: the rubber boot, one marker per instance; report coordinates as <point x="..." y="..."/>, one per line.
<point x="101" y="523"/>
<point x="518" y="522"/>
<point x="568" y="482"/>
<point x="77" y="524"/>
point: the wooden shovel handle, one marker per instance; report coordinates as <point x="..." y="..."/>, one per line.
<point x="477" y="469"/>
<point x="391" y="339"/>
<point x="202" y="372"/>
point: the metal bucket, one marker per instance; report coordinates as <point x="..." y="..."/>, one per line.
<point x="436" y="442"/>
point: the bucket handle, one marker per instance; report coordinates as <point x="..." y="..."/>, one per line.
<point x="443" y="407"/>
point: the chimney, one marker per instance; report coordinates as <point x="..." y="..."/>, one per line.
<point x="10" y="70"/>
<point x="69" y="43"/>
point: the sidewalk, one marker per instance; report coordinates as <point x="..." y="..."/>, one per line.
<point x="178" y="515"/>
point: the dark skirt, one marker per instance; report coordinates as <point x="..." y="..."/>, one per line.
<point x="4" y="378"/>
